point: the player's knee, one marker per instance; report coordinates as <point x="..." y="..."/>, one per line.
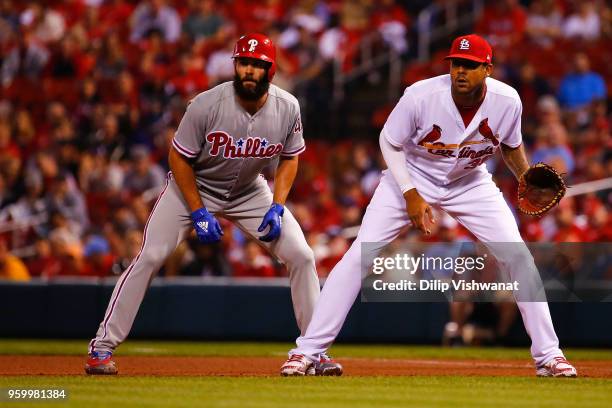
<point x="515" y="256"/>
<point x="154" y="256"/>
<point x="303" y="258"/>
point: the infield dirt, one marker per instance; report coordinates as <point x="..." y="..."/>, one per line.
<point x="269" y="366"/>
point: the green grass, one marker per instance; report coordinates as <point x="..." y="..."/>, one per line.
<point x="319" y="392"/>
<point x="178" y="348"/>
<point x="245" y="392"/>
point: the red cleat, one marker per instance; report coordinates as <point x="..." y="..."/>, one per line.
<point x="557" y="367"/>
<point x="101" y="363"/>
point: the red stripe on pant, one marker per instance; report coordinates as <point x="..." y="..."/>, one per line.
<point x="127" y="272"/>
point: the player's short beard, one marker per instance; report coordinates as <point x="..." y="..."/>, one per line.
<point x="251" y="94"/>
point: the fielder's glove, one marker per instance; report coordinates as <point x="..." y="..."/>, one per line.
<point x="273" y="219"/>
<point x="540" y="188"/>
<point x="206" y="226"/>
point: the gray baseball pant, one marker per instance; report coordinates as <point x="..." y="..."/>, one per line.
<point x="169" y="224"/>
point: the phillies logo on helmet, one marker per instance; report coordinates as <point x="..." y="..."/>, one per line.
<point x="256" y="147"/>
<point x="257" y="46"/>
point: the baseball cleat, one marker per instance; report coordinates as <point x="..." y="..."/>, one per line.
<point x="101" y="363"/>
<point x="557" y="367"/>
<point x="327" y="366"/>
<point x="297" y="365"/>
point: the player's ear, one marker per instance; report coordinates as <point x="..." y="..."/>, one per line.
<point x="488" y="69"/>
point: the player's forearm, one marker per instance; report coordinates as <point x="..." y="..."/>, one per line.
<point x="515" y="159"/>
<point x="284" y="177"/>
<point x="185" y="179"/>
<point x="396" y="162"/>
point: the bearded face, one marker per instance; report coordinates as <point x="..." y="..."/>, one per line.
<point x="251" y="78"/>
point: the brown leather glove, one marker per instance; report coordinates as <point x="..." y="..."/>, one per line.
<point x="540" y="188"/>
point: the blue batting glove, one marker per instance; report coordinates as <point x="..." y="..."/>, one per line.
<point x="206" y="226"/>
<point x="272" y="219"/>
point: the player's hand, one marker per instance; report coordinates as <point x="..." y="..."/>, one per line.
<point x="272" y="219"/>
<point x="419" y="211"/>
<point x="206" y="226"/>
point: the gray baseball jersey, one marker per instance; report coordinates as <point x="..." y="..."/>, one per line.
<point x="230" y="146"/>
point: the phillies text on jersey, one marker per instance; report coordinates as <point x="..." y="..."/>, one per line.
<point x="257" y="147"/>
<point x="230" y="147"/>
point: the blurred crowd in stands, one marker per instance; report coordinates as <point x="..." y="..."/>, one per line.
<point x="92" y="90"/>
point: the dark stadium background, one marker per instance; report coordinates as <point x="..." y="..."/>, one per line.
<point x="91" y="92"/>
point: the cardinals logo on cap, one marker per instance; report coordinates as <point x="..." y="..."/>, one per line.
<point x="471" y="47"/>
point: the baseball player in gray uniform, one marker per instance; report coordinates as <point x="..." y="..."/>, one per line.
<point x="226" y="137"/>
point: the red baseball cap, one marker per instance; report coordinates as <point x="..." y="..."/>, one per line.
<point x="471" y="47"/>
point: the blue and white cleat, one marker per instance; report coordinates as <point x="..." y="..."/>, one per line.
<point x="101" y="363"/>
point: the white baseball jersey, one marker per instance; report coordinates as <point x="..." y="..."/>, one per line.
<point x="428" y="126"/>
<point x="445" y="161"/>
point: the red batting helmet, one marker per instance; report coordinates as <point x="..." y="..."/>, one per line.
<point x="257" y="46"/>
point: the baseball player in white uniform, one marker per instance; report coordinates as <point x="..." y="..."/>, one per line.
<point x="435" y="142"/>
<point x="226" y="137"/>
